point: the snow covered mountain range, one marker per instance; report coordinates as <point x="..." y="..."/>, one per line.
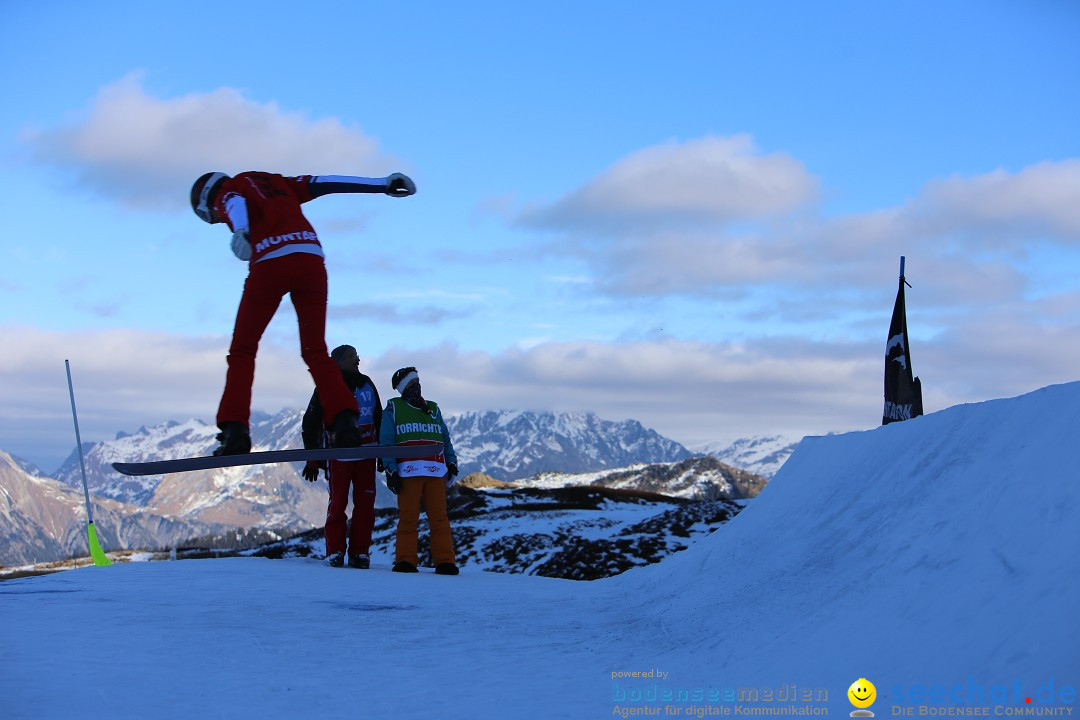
<point x="44" y="519"/>
<point x="511" y="445"/>
<point x="272" y="501"/>
<point x="762" y="454"/>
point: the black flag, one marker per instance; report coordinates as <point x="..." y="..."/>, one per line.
<point x="903" y="391"/>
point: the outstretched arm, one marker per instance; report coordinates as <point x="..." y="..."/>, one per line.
<point x="395" y="185"/>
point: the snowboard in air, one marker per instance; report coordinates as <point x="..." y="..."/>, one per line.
<point x="367" y="452"/>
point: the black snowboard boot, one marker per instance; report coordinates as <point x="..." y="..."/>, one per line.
<point x="345" y="433"/>
<point x="404" y="567"/>
<point x="361" y="562"/>
<point x="234" y="439"/>
<point x="336" y="560"/>
<point x="446" y="569"/>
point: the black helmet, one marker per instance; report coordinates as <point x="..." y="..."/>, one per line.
<point x="204" y="193"/>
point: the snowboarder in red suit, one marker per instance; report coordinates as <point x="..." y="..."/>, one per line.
<point x="284" y="257"/>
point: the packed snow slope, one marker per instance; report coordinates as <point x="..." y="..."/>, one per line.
<point x="937" y="558"/>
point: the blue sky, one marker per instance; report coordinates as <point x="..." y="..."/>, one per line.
<point x="690" y="215"/>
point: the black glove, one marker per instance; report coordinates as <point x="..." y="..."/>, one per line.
<point x="451" y="469"/>
<point x="393" y="481"/>
<point x="311" y="470"/>
<point x="398" y="185"/>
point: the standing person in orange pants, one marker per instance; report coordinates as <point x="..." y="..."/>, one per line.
<point x="359" y="475"/>
<point x="412" y="420"/>
<point x="284" y="257"/>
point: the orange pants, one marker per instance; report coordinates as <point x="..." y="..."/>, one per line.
<point x="432" y="491"/>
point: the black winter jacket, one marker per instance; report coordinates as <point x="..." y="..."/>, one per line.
<point x="314" y="430"/>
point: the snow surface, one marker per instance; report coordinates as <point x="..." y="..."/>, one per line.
<point x="937" y="558"/>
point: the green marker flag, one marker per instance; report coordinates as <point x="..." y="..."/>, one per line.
<point x="99" y="556"/>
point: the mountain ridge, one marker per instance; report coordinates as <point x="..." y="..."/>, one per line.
<point x="524" y="447"/>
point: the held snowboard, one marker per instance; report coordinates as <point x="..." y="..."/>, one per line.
<point x="162" y="467"/>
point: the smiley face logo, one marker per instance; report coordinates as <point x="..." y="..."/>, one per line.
<point x="862" y="693"/>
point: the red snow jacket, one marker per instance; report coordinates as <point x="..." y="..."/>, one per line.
<point x="270" y="205"/>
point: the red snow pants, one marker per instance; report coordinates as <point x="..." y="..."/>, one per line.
<point x="302" y="276"/>
<point x="360" y="476"/>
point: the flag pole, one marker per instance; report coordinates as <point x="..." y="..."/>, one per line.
<point x="99" y="556"/>
<point x="903" y="391"/>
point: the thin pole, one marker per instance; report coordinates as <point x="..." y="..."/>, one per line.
<point x="96" y="552"/>
<point x="78" y="441"/>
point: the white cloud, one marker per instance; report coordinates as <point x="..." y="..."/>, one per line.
<point x="714" y="179"/>
<point x="144" y="151"/>
<point x="1038" y="201"/>
<point x="749" y="222"/>
<point x="395" y="315"/>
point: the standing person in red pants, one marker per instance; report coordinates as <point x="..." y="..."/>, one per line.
<point x="343" y="475"/>
<point x="284" y="257"/>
